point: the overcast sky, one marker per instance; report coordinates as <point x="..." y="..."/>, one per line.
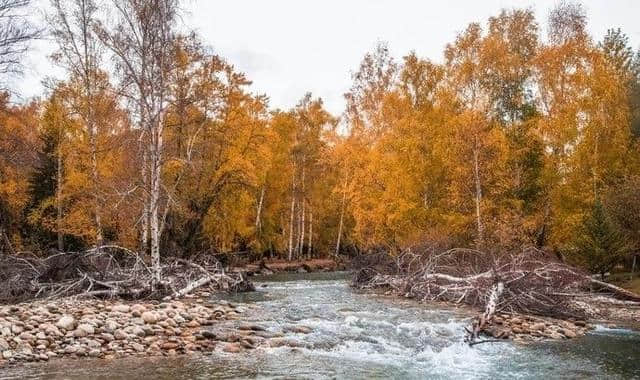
<point x="290" y="47"/>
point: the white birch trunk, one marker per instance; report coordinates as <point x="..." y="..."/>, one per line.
<point x="156" y="185"/>
<point x="259" y="210"/>
<point x="59" y="198"/>
<point x="302" y="216"/>
<point x="342" y="206"/>
<point x="293" y="206"/>
<point x="310" y="243"/>
<point x="478" y="195"/>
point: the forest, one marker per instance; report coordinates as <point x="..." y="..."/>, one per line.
<point x="525" y="134"/>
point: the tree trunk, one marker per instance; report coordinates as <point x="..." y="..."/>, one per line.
<point x="259" y="211"/>
<point x="302" y="216"/>
<point x="310" y="243"/>
<point x="59" y="200"/>
<point x="478" y="195"/>
<point x="293" y="206"/>
<point x="342" y="206"/>
<point x="156" y="185"/>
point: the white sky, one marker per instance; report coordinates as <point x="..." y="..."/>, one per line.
<point x="289" y="47"/>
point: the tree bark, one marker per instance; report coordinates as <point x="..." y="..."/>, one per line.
<point x="259" y="210"/>
<point x="310" y="243"/>
<point x="293" y="206"/>
<point x="59" y="197"/>
<point x="478" y="195"/>
<point x="302" y="217"/>
<point x="342" y="206"/>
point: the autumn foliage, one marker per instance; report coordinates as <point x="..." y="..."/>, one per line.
<point x="508" y="142"/>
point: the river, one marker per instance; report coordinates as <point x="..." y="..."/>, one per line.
<point x="357" y="335"/>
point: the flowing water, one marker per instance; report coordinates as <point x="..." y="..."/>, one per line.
<point x="364" y="336"/>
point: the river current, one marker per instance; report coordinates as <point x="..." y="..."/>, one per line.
<point x="358" y="335"/>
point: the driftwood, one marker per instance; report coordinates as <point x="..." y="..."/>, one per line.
<point x="108" y="271"/>
<point x="530" y="282"/>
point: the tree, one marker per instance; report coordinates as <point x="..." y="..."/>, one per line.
<point x="16" y="32"/>
<point x="142" y="41"/>
<point x="46" y="181"/>
<point x="601" y="246"/>
<point x="72" y="25"/>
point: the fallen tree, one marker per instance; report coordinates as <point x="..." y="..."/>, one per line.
<point x="529" y="282"/>
<point x="108" y="272"/>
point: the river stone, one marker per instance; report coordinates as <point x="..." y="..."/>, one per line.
<point x="111" y="326"/>
<point x="92" y="343"/>
<point x="121" y="308"/>
<point x="138" y="331"/>
<point x="120" y="335"/>
<point x="252" y="327"/>
<point x="169" y="346"/>
<point x="66" y="322"/>
<point x="568" y="333"/>
<point x="537" y="326"/>
<point x="16" y="329"/>
<point x="232" y="348"/>
<point x="137" y="346"/>
<point x="50" y="329"/>
<point x="150" y="317"/>
<point x="7" y="354"/>
<point x="4" y="345"/>
<point x="86" y="328"/>
<point x="298" y="329"/>
<point x="94" y="353"/>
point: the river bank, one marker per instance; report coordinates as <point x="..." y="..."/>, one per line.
<point x="43" y="330"/>
<point x="347" y="333"/>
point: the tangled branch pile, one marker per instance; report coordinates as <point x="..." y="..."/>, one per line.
<point x="532" y="281"/>
<point x="110" y="271"/>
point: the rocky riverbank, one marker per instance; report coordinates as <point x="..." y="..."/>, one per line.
<point x="43" y="330"/>
<point x="523" y="328"/>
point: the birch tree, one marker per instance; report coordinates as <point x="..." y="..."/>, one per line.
<point x="142" y="40"/>
<point x="72" y="25"/>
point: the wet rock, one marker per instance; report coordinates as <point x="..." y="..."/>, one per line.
<point x="298" y="329"/>
<point x="568" y="333"/>
<point x="252" y="327"/>
<point x="208" y="334"/>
